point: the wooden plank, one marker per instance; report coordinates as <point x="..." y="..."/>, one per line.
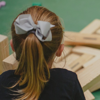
<point x="89" y="76"/>
<point x="78" y="63"/>
<point x="88" y="95"/>
<point x="91" y="28"/>
<point x="95" y="87"/>
<point x="4" y="50"/>
<point x="61" y="64"/>
<point x="98" y="32"/>
<point x="10" y="63"/>
<point x="81" y="39"/>
<point x="71" y="58"/>
<point x="74" y="44"/>
<point x="91" y="61"/>
<point x="67" y="50"/>
<point x="87" y="50"/>
<point x="65" y="62"/>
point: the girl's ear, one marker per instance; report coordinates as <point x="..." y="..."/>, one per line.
<point x="60" y="49"/>
<point x="11" y="44"/>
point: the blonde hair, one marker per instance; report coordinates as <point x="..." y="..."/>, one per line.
<point x="33" y="55"/>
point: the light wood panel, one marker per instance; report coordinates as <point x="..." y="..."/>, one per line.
<point x="88" y="95"/>
<point x="95" y="87"/>
<point x="75" y="38"/>
<point x="71" y="58"/>
<point x="87" y="50"/>
<point x="90" y="62"/>
<point x="4" y="50"/>
<point x="61" y="64"/>
<point x="10" y="63"/>
<point x="92" y="27"/>
<point x="78" y="63"/>
<point x="98" y="32"/>
<point x="90" y="75"/>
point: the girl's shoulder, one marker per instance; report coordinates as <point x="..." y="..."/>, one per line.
<point x="6" y="74"/>
<point x="8" y="77"/>
<point x="63" y="74"/>
<point x="63" y="84"/>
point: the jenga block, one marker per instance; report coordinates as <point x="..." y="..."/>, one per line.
<point x="89" y="76"/>
<point x="92" y="27"/>
<point x="4" y="49"/>
<point x="88" y="95"/>
<point x="87" y="50"/>
<point x="78" y="63"/>
<point x="10" y="63"/>
<point x="95" y="87"/>
<point x="64" y="63"/>
<point x="67" y="50"/>
<point x="61" y="64"/>
<point x="98" y="31"/>
<point x="71" y="58"/>
<point x="93" y="60"/>
<point x="81" y="39"/>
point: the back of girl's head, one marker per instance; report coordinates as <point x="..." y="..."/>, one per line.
<point x="34" y="55"/>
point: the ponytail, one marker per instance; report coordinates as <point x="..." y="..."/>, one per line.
<point x="33" y="55"/>
<point x="33" y="69"/>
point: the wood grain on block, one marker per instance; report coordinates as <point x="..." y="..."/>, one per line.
<point x="95" y="87"/>
<point x="61" y="65"/>
<point x="67" y="50"/>
<point x="78" y="63"/>
<point x="87" y="50"/>
<point x="80" y="70"/>
<point x="89" y="76"/>
<point x="10" y="63"/>
<point x="93" y="60"/>
<point x="71" y="58"/>
<point x="74" y="44"/>
<point x="91" y="28"/>
<point x="88" y="95"/>
<point x="4" y="49"/>
<point x="98" y="31"/>
<point x="81" y="39"/>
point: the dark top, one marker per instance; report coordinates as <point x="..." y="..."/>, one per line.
<point x="63" y="85"/>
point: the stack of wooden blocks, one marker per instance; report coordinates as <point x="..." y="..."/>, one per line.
<point x="83" y="57"/>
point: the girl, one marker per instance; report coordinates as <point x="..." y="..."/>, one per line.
<point x="36" y="39"/>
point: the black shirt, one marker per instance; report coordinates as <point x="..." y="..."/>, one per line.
<point x="63" y="85"/>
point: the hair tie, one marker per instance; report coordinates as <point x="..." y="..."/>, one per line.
<point x="24" y="23"/>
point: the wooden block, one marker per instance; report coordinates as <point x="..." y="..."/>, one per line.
<point x="91" y="28"/>
<point x="81" y="39"/>
<point x="93" y="60"/>
<point x="61" y="65"/>
<point x="67" y="50"/>
<point x="74" y="44"/>
<point x="80" y="70"/>
<point x="95" y="87"/>
<point x="87" y="50"/>
<point x="89" y="76"/>
<point x="78" y="63"/>
<point x="10" y="63"/>
<point x="98" y="32"/>
<point x="88" y="95"/>
<point x="65" y="62"/>
<point x="71" y="58"/>
<point x="4" y="50"/>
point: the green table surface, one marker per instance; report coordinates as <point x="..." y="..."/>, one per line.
<point x="75" y="15"/>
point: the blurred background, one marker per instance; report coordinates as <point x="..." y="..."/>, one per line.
<point x="75" y="15"/>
